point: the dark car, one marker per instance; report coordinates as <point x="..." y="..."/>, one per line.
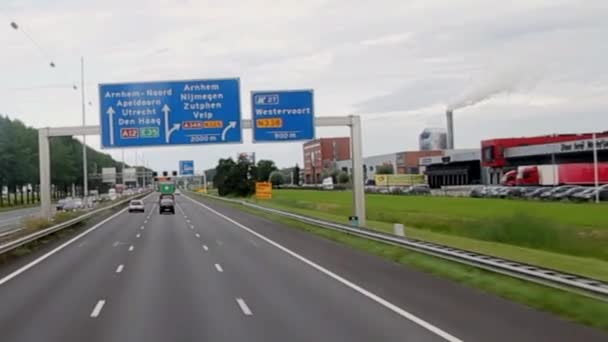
<point x="477" y="192"/>
<point x="589" y="195"/>
<point x="420" y="189"/>
<point x="568" y="193"/>
<point x="513" y="192"/>
<point x="556" y="190"/>
<point x="166" y="205"/>
<point x="538" y="192"/>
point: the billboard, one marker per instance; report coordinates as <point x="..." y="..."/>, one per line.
<point x="108" y="175"/>
<point x="398" y="180"/>
<point x="129" y="175"/>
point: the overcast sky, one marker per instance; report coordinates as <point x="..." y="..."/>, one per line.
<point x="397" y="63"/>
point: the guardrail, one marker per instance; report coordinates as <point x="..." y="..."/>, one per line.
<point x="9" y="246"/>
<point x="588" y="287"/>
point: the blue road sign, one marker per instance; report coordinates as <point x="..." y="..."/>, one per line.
<point x="170" y="113"/>
<point x="284" y="115"/>
<point x="186" y="167"/>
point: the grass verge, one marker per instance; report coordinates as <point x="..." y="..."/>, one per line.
<point x="34" y="224"/>
<point x="589" y="267"/>
<point x="564" y="304"/>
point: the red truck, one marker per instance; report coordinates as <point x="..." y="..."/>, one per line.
<point x="556" y="174"/>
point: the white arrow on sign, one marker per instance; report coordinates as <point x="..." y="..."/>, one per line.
<point x="111" y="113"/>
<point x="231" y="124"/>
<point x="168" y="131"/>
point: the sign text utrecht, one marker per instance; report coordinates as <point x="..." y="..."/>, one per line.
<point x="170" y="113"/>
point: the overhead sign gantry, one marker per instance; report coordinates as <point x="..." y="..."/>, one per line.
<point x="166" y="113"/>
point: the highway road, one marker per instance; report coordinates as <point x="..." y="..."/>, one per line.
<point x="214" y="273"/>
<point x="12" y="218"/>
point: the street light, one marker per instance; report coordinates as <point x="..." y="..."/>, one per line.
<point x="84" y="137"/>
<point x="16" y="28"/>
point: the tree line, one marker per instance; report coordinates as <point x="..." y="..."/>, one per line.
<point x="238" y="177"/>
<point x="19" y="159"/>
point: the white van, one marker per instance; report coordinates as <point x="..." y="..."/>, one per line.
<point x="328" y="183"/>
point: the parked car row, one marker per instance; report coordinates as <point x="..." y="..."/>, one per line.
<point x="417" y="189"/>
<point x="557" y="193"/>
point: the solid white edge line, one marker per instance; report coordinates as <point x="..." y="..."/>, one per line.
<point x="205" y="247"/>
<point x="364" y="292"/>
<point x="244" y="307"/>
<point x="97" y="308"/>
<point x="57" y="249"/>
<point x="219" y="268"/>
<point x="119" y="268"/>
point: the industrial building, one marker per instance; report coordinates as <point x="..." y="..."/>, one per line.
<point x="495" y="157"/>
<point x="324" y="153"/>
<point x="453" y="167"/>
<point x="401" y="162"/>
<point x="502" y="155"/>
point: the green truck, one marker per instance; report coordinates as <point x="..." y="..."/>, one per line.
<point x="166" y="188"/>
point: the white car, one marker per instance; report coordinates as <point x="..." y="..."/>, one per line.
<point x="136" y="206"/>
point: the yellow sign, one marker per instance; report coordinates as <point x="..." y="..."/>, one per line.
<point x="269" y="123"/>
<point x="398" y="180"/>
<point x="263" y="190"/>
<point x="213" y="124"/>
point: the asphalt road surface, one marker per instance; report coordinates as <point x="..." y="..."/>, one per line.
<point x="213" y="273"/>
<point x="12" y="219"/>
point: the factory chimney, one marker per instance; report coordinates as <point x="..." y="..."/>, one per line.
<point x="449" y="114"/>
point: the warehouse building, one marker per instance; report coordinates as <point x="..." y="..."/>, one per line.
<point x="321" y="154"/>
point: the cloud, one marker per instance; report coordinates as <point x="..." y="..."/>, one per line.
<point x="397" y="64"/>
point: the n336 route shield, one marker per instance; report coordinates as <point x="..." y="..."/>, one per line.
<point x="170" y="113"/>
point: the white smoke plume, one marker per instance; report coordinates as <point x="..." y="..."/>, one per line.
<point x="502" y="80"/>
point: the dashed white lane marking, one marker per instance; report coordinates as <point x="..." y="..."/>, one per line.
<point x="115" y="244"/>
<point x="244" y="307"/>
<point x="142" y="227"/>
<point x="253" y="243"/>
<point x="198" y="235"/>
<point x="219" y="242"/>
<point x="381" y="301"/>
<point x="97" y="308"/>
<point x="205" y="247"/>
<point x="219" y="268"/>
<point x="191" y="227"/>
<point x="131" y="248"/>
<point x="188" y="221"/>
<point x="119" y="268"/>
<point x="60" y="247"/>
<point x="138" y="235"/>
<point x="82" y="244"/>
<point x="146" y="221"/>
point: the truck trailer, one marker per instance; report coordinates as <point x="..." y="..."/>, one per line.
<point x="556" y="174"/>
